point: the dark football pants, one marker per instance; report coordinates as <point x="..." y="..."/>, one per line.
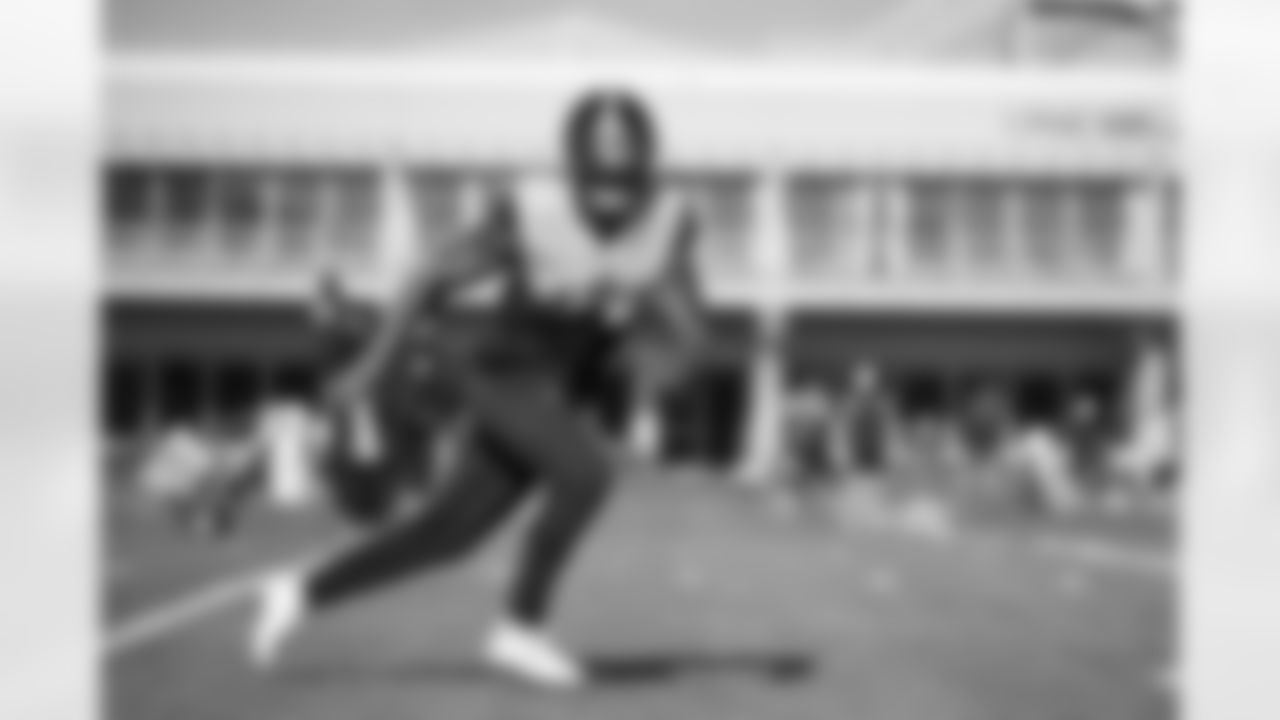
<point x="525" y="435"/>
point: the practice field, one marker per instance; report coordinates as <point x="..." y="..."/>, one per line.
<point x="693" y="601"/>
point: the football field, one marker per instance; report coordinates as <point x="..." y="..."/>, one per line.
<point x="693" y="600"/>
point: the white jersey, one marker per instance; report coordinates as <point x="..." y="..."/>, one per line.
<point x="177" y="464"/>
<point x="566" y="264"/>
<point x="286" y="432"/>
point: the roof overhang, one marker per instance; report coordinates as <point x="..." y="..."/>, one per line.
<point x="714" y="111"/>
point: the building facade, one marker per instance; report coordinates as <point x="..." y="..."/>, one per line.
<point x="954" y="224"/>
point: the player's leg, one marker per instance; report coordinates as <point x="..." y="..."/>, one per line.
<point x="578" y="485"/>
<point x="466" y="512"/>
<point x="527" y="431"/>
<point x="484" y="493"/>
<point x="568" y="455"/>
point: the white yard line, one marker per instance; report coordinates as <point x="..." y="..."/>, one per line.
<point x="170" y="617"/>
<point x="156" y="623"/>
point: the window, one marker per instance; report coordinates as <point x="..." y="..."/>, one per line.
<point x="1173" y="222"/>
<point x="923" y="394"/>
<point x="293" y="381"/>
<point x="355" y="218"/>
<point x="272" y="190"/>
<point x="985" y="226"/>
<point x="186" y="206"/>
<point x="927" y="225"/>
<point x="242" y="212"/>
<point x="122" y="401"/>
<point x="1044" y="233"/>
<point x="1039" y="398"/>
<point x="299" y="213"/>
<point x="1072" y="226"/>
<point x="126" y="206"/>
<point x="180" y="391"/>
<point x="826" y="225"/>
<point x="1101" y="226"/>
<point x="722" y="205"/>
<point x="441" y="205"/>
<point x="126" y="195"/>
<point x="235" y="388"/>
<point x="979" y="230"/>
<point x="325" y="233"/>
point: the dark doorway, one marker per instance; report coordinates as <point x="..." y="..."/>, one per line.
<point x="121" y="402"/>
<point x="236" y="389"/>
<point x="704" y="423"/>
<point x="180" y="392"/>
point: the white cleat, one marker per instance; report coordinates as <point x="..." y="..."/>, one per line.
<point x="279" y="614"/>
<point x="533" y="657"/>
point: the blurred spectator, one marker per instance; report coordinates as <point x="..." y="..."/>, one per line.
<point x="1147" y="458"/>
<point x="1037" y="464"/>
<point x="861" y="422"/>
<point x="988" y="422"/>
<point x="173" y="465"/>
<point x="1087" y="438"/>
<point x="808" y="431"/>
<point x="202" y="478"/>
<point x="239" y="474"/>
<point x="290" y="439"/>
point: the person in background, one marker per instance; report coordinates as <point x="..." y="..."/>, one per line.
<point x="810" y="462"/>
<point x="992" y="420"/>
<point x="1086" y="436"/>
<point x="292" y="438"/>
<point x="1147" y="462"/>
<point x="1148" y="459"/>
<point x="983" y="424"/>
<point x="1037" y="466"/>
<point x="239" y="475"/>
<point x="171" y="470"/>
<point x="203" y="475"/>
<point x="861" y="422"/>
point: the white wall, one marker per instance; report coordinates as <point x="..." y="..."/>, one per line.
<point x="713" y="114"/>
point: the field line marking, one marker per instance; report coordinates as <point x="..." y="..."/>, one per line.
<point x="169" y="617"/>
<point x="153" y="624"/>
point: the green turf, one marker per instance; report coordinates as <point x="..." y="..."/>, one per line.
<point x="692" y="602"/>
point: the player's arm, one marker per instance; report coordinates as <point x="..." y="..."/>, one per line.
<point x="473" y="255"/>
<point x="679" y="299"/>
